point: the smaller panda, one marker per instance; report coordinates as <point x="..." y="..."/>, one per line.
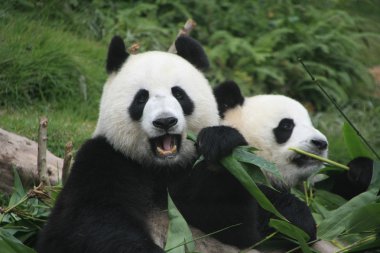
<point x="273" y="124"/>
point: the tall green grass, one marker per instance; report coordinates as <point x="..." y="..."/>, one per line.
<point x="41" y="64"/>
<point x="52" y="72"/>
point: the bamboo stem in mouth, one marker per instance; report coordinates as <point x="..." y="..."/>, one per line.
<point x="331" y="162"/>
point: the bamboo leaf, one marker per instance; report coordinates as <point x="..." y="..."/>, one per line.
<point x="337" y="220"/>
<point x="191" y="136"/>
<point x="10" y="244"/>
<point x="179" y="236"/>
<point x="293" y="232"/>
<point x="354" y="144"/>
<point x="365" y="219"/>
<point x="235" y="168"/>
<point x="363" y="244"/>
<point x="18" y="189"/>
<point x="375" y="180"/>
<point x="242" y="154"/>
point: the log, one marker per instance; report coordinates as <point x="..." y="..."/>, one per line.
<point x="21" y="153"/>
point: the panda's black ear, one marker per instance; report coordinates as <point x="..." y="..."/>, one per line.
<point x="191" y="50"/>
<point x="117" y="54"/>
<point x="228" y="96"/>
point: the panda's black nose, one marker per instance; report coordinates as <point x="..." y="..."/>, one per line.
<point x="165" y="123"/>
<point x="320" y="144"/>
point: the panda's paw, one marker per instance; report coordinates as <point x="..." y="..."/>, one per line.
<point x="298" y="213"/>
<point x="218" y="141"/>
<point x="360" y="172"/>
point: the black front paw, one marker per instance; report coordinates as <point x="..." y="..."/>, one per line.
<point x="298" y="213"/>
<point x="218" y="141"/>
<point x="360" y="172"/>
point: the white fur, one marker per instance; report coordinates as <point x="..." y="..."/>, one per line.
<point x="156" y="72"/>
<point x="257" y="118"/>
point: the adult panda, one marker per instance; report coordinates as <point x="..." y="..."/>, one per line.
<point x="120" y="177"/>
<point x="119" y="182"/>
<point x="273" y="124"/>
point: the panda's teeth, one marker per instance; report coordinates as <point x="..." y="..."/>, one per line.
<point x="162" y="152"/>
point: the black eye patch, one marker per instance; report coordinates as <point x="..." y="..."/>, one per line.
<point x="284" y="130"/>
<point x="183" y="99"/>
<point x="137" y="106"/>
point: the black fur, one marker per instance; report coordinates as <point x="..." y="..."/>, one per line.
<point x="218" y="141"/>
<point x="284" y="130"/>
<point x="108" y="197"/>
<point x="228" y="96"/>
<point x="227" y="202"/>
<point x="354" y="181"/>
<point x="137" y="106"/>
<point x="117" y="54"/>
<point x="183" y="99"/>
<point x="104" y="205"/>
<point x="192" y="51"/>
<point x="293" y="209"/>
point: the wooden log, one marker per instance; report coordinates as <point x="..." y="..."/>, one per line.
<point x="21" y="153"/>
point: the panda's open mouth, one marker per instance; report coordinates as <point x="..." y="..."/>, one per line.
<point x="166" y="146"/>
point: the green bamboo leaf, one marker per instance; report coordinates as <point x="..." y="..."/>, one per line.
<point x="235" y="168"/>
<point x="365" y="219"/>
<point x="179" y="238"/>
<point x="242" y="154"/>
<point x="375" y="180"/>
<point x="191" y="136"/>
<point x="293" y="232"/>
<point x="337" y="220"/>
<point x="10" y="244"/>
<point x="18" y="189"/>
<point x="328" y="200"/>
<point x="256" y="174"/>
<point x="353" y="142"/>
<point x="362" y="244"/>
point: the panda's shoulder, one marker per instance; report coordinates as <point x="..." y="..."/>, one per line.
<point x="99" y="158"/>
<point x="97" y="149"/>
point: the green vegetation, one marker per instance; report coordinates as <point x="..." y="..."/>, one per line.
<point x="52" y="58"/>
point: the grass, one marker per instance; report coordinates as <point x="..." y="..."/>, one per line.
<point x="64" y="126"/>
<point x="49" y="72"/>
<point x="46" y="64"/>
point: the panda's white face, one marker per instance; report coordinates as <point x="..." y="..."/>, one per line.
<point x="273" y="124"/>
<point x="150" y="104"/>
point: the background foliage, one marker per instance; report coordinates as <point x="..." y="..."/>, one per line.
<point x="52" y="53"/>
<point x="52" y="56"/>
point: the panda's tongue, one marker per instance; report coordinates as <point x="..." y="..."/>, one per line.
<point x="167" y="143"/>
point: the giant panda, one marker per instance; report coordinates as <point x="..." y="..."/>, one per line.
<point x="139" y="149"/>
<point x="139" y="152"/>
<point x="273" y="124"/>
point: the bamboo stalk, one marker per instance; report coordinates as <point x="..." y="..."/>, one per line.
<point x="42" y="147"/>
<point x="187" y="28"/>
<point x="67" y="161"/>
<point x="331" y="162"/>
